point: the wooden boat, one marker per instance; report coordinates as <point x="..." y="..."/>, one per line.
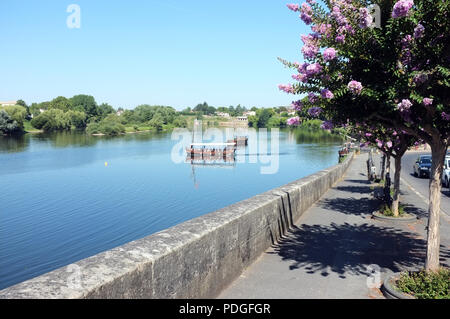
<point x="216" y="150"/>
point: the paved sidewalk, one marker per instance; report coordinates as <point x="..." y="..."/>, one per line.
<point x="334" y="247"/>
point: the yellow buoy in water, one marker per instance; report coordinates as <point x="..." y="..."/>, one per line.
<point x="106" y="164"/>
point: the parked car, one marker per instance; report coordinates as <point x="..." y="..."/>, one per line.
<point x="446" y="172"/>
<point x="422" y="167"/>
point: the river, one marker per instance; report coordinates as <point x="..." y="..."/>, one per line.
<point x="68" y="196"/>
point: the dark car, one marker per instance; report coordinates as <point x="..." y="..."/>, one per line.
<point x="422" y="167"/>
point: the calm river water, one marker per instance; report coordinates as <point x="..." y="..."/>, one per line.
<point x="68" y="196"/>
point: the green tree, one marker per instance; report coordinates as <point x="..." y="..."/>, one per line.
<point x="8" y="126"/>
<point x="86" y="104"/>
<point x="180" y="122"/>
<point x="17" y="113"/>
<point x="60" y="103"/>
<point x="157" y="122"/>
<point x="77" y="119"/>
<point x="104" y="109"/>
<point x="397" y="76"/>
<point x="264" y="116"/>
<point x="52" y="120"/>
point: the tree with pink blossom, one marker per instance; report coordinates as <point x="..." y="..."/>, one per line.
<point x="396" y="76"/>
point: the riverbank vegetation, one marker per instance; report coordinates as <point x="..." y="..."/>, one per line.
<point x="82" y="113"/>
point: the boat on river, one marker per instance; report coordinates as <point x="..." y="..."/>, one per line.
<point x="211" y="150"/>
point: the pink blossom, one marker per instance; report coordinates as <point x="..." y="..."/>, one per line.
<point x="327" y="125"/>
<point x="306" y="13"/>
<point x="355" y="87"/>
<point x="310" y="51"/>
<point x="329" y="54"/>
<point x="312" y="97"/>
<point x="300" y="77"/>
<point x="293" y="121"/>
<point x="340" y="38"/>
<point x="401" y="8"/>
<point x="314" y="111"/>
<point x="405" y="105"/>
<point x="365" y="19"/>
<point x="419" y="31"/>
<point x="389" y="144"/>
<point x="327" y="94"/>
<point x="286" y="88"/>
<point x="297" y="105"/>
<point x="313" y="69"/>
<point x="293" y="7"/>
<point x="445" y="116"/>
<point x="427" y="101"/>
<point x="323" y="29"/>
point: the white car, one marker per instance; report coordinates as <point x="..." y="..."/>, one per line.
<point x="446" y="172"/>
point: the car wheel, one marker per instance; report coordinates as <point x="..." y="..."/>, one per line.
<point x="446" y="182"/>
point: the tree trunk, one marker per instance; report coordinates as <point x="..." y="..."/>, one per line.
<point x="388" y="164"/>
<point x="396" y="197"/>
<point x="383" y="166"/>
<point x="438" y="150"/>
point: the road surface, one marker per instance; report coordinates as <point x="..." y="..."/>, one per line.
<point x="419" y="185"/>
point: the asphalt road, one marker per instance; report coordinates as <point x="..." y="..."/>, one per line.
<point x="421" y="185"/>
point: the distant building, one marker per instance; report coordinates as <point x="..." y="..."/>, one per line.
<point x="291" y="113"/>
<point x="8" y="103"/>
<point x="119" y="113"/>
<point x="242" y="119"/>
<point x="222" y="114"/>
<point x="250" y="113"/>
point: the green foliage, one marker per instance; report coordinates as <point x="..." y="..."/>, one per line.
<point x="52" y="120"/>
<point x="110" y="125"/>
<point x="423" y="285"/>
<point x="104" y="110"/>
<point x="18" y="113"/>
<point x="60" y="103"/>
<point x="8" y="126"/>
<point x="387" y="211"/>
<point x="77" y="119"/>
<point x="157" y="122"/>
<point x="86" y="104"/>
<point x="264" y="116"/>
<point x="180" y="122"/>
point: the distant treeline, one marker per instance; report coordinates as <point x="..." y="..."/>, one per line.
<point x="82" y="112"/>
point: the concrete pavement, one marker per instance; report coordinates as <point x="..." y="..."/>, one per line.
<point x="337" y="251"/>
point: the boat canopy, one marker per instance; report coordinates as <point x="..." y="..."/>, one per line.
<point x="213" y="144"/>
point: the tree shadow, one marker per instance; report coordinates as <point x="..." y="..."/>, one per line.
<point x="350" y="205"/>
<point x="359" y="181"/>
<point x="349" y="249"/>
<point x="354" y="189"/>
<point x="411" y="209"/>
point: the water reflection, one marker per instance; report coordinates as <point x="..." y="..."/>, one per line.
<point x="14" y="144"/>
<point x="303" y="135"/>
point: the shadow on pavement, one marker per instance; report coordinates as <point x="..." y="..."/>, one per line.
<point x="348" y="249"/>
<point x="419" y="212"/>
<point x="350" y="205"/>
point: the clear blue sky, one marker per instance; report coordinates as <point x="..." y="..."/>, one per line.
<point x="165" y="52"/>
